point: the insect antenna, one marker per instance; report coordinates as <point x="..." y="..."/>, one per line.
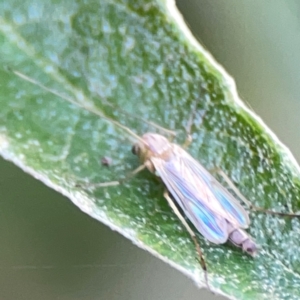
<point x="87" y="104"/>
<point x="122" y="111"/>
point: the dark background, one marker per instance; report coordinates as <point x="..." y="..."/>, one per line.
<point x="51" y="250"/>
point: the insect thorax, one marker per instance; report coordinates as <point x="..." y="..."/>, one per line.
<point x="152" y="145"/>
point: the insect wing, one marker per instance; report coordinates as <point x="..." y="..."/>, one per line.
<point x="235" y="213"/>
<point x="213" y="227"/>
<point x="205" y="202"/>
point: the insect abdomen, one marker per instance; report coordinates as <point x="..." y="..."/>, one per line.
<point x="240" y="238"/>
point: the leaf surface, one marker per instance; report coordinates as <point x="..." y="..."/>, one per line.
<point x="138" y="56"/>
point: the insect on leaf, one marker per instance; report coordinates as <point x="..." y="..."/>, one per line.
<point x="138" y="56"/>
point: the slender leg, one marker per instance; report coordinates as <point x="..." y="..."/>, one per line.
<point x="248" y="203"/>
<point x="233" y="187"/>
<point x="192" y="234"/>
<point x="113" y="183"/>
<point x="188" y="128"/>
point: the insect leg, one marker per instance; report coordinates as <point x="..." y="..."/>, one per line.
<point x="113" y="183"/>
<point x="248" y="203"/>
<point x="192" y="234"/>
<point x="188" y="127"/>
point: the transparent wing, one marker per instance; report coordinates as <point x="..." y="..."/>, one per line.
<point x="234" y="212"/>
<point x="205" y="202"/>
<point x="210" y="225"/>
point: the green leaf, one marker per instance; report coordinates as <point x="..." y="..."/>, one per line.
<point x="139" y="56"/>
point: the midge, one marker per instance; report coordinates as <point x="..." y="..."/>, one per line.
<point x="213" y="211"/>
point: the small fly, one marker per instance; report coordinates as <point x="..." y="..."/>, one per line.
<point x="213" y="211"/>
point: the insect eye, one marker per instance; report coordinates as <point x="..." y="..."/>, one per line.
<point x="135" y="149"/>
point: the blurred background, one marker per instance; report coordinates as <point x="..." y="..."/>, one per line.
<point x="51" y="250"/>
